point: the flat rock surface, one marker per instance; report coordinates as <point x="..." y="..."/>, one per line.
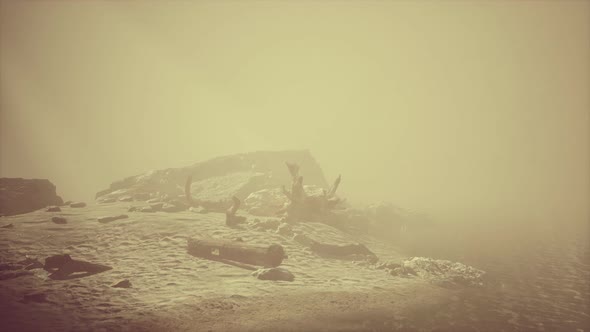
<point x="150" y="249"/>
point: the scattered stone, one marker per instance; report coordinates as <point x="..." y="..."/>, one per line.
<point x="19" y="195"/>
<point x="59" y="220"/>
<point x="107" y="200"/>
<point x="35" y="297"/>
<point x="64" y="267"/>
<point x="53" y="209"/>
<point x="285" y="230"/>
<point x="78" y="205"/>
<point x="438" y="270"/>
<point x="112" y="218"/>
<point x="122" y="284"/>
<point x="8" y="226"/>
<point x="125" y="199"/>
<point x="275" y="273"/>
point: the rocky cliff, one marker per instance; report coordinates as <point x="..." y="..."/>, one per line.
<point x="220" y="178"/>
<point x="19" y="195"/>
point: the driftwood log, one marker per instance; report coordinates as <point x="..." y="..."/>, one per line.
<point x="305" y="207"/>
<point x="215" y="249"/>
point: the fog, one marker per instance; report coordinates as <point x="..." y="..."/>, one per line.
<point x="462" y="110"/>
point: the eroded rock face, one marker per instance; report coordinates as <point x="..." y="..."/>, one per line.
<point x="18" y="196"/>
<point x="437" y="270"/>
<point x="219" y="178"/>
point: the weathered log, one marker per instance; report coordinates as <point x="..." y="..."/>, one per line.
<point x="215" y="249"/>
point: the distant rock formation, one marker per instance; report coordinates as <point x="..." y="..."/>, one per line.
<point x="219" y="178"/>
<point x="19" y="195"/>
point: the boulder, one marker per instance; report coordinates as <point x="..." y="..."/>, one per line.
<point x="220" y="178"/>
<point x="275" y="273"/>
<point x="437" y="270"/>
<point x="18" y="196"/>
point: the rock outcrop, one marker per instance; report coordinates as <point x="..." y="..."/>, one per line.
<point x="219" y="178"/>
<point x="18" y="196"/>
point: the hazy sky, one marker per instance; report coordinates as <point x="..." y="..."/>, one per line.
<point x="458" y="108"/>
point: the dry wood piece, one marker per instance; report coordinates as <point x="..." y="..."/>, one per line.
<point x="215" y="249"/>
<point x="306" y="207"/>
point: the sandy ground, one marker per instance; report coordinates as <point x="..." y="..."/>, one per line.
<point x="172" y="290"/>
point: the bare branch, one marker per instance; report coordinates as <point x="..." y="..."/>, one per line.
<point x="187" y="191"/>
<point x="334" y="187"/>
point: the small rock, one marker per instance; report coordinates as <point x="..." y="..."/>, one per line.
<point x="125" y="199"/>
<point x="122" y="284"/>
<point x="153" y="200"/>
<point x="59" y="220"/>
<point x="112" y="218"/>
<point x="147" y="209"/>
<point x="275" y="273"/>
<point x="53" y="209"/>
<point x="107" y="200"/>
<point x="35" y="297"/>
<point x="67" y="203"/>
<point x="8" y="226"/>
<point x="132" y="209"/>
<point x="78" y="205"/>
<point x="239" y="239"/>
